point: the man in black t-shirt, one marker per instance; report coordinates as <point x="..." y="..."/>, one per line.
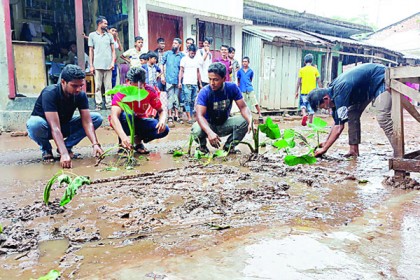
<point x="52" y="117"/>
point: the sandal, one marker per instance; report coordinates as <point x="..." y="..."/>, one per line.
<point x="177" y="119"/>
<point x="71" y="154"/>
<point x="140" y="149"/>
<point x="47" y="156"/>
<point x="260" y="120"/>
<point x="171" y="123"/>
<point x="191" y="122"/>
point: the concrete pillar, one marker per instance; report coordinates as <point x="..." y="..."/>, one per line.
<point x="4" y="66"/>
<point x="187" y="21"/>
<point x="142" y="24"/>
<point x="237" y="42"/>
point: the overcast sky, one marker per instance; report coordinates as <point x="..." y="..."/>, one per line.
<point x="379" y="12"/>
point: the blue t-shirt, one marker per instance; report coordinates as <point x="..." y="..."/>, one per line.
<point x="172" y="62"/>
<point x="151" y="74"/>
<point x="358" y="85"/>
<point x="245" y="80"/>
<point x="219" y="103"/>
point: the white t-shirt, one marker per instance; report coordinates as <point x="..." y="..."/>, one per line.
<point x="190" y="69"/>
<point x="204" y="65"/>
<point x="134" y="55"/>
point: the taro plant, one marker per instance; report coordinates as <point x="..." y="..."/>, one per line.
<point x="318" y="125"/>
<point x="131" y="94"/>
<point x="52" y="275"/>
<point x="73" y="182"/>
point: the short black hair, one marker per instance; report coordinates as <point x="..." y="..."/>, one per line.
<point x="208" y="39"/>
<point x="112" y="26"/>
<point x="193" y="41"/>
<point x="178" y="40"/>
<point x="138" y="38"/>
<point x="160" y="40"/>
<point x="72" y="72"/>
<point x="247" y="58"/>
<point x="136" y="74"/>
<point x="308" y="58"/>
<point x="144" y="56"/>
<point x="192" y="48"/>
<point x="231" y="49"/>
<point x="224" y="46"/>
<point x="152" y="54"/>
<point x="218" y="69"/>
<point x="100" y="19"/>
<point x="316" y="97"/>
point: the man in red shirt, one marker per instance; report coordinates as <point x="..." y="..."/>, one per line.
<point x="146" y="129"/>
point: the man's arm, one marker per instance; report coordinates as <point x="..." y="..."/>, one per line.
<point x="92" y="68"/>
<point x="54" y="124"/>
<point x="318" y="80"/>
<point x="299" y="82"/>
<point x="199" y="78"/>
<point x="116" y="125"/>
<point x="336" y="131"/>
<point x="245" y="112"/>
<point x="180" y="76"/>
<point x="214" y="139"/>
<point x="90" y="131"/>
<point x="161" y="126"/>
<point x="111" y="67"/>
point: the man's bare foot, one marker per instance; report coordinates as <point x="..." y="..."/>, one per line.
<point x="351" y="155"/>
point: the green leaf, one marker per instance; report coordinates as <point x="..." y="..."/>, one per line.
<point x="293" y="160"/>
<point x="363" y="181"/>
<point x="116" y="89"/>
<point x="178" y="153"/>
<point x="52" y="275"/>
<point x="135" y="94"/>
<point x="127" y="109"/>
<point x="281" y="144"/>
<point x="310" y="136"/>
<point x="270" y="129"/>
<point x="219" y="153"/>
<point x="1" y="228"/>
<point x="289" y="137"/>
<point x="317" y="124"/>
<point x="47" y="189"/>
<point x="72" y="188"/>
<point x="110" y="169"/>
<point x="64" y="178"/>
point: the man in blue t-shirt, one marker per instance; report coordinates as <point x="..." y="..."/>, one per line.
<point x="348" y="96"/>
<point x="213" y="106"/>
<point x="52" y="117"/>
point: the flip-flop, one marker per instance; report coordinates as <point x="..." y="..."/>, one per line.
<point x="140" y="149"/>
<point x="47" y="157"/>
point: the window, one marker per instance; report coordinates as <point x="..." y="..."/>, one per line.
<point x="221" y="34"/>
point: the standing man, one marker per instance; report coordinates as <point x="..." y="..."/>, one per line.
<point x="225" y="60"/>
<point x="160" y="50"/>
<point x="234" y="64"/>
<point x="189" y="75"/>
<point x="245" y="76"/>
<point x="102" y="59"/>
<point x="348" y="97"/>
<point x="118" y="49"/>
<point x="188" y="43"/>
<point x="171" y="65"/>
<point x="205" y="61"/>
<point x="132" y="56"/>
<point x="214" y="103"/>
<point x="307" y="80"/>
<point x="52" y="117"/>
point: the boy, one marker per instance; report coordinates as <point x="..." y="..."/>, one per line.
<point x="132" y="56"/>
<point x="245" y="76"/>
<point x="189" y="74"/>
<point x="152" y="70"/>
<point x="143" y="59"/>
<point x="234" y="64"/>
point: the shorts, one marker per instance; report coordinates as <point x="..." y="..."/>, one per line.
<point x="173" y="102"/>
<point x="304" y="104"/>
<point x="250" y="99"/>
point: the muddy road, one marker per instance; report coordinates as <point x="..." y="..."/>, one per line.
<point x="243" y="218"/>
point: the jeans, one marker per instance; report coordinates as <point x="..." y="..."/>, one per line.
<point x="145" y="129"/>
<point x="115" y="75"/>
<point x="303" y="103"/>
<point x="173" y="102"/>
<point x="236" y="127"/>
<point x="190" y="94"/>
<point x="73" y="131"/>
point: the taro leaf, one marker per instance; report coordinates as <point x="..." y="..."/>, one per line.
<point x="134" y="94"/>
<point x="198" y="154"/>
<point x="363" y="181"/>
<point x="317" y="124"/>
<point x="292" y="160"/>
<point x="219" y="153"/>
<point x="127" y="109"/>
<point x="281" y="144"/>
<point x="1" y="228"/>
<point x="310" y="136"/>
<point x="72" y="188"/>
<point x="116" y="89"/>
<point x="270" y="129"/>
<point x="289" y="136"/>
<point x="64" y="178"/>
<point x="47" y="188"/>
<point x="52" y="275"/>
<point x="178" y="153"/>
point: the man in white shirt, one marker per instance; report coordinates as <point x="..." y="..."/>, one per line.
<point x="205" y="60"/>
<point x="189" y="74"/>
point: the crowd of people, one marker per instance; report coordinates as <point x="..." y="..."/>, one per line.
<point x="193" y="82"/>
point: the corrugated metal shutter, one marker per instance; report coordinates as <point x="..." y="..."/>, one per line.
<point x="252" y="47"/>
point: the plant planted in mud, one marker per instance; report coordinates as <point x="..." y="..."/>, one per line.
<point x="52" y="275"/>
<point x="73" y="182"/>
<point x="131" y="94"/>
<point x="318" y="125"/>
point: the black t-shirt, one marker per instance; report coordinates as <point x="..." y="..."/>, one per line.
<point x="358" y="85"/>
<point x="51" y="99"/>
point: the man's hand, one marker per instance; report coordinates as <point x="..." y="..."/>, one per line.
<point x="65" y="161"/>
<point x="111" y="67"/>
<point x="161" y="126"/>
<point x="321" y="145"/>
<point x="97" y="151"/>
<point x="296" y="95"/>
<point x="125" y="142"/>
<point x="250" y="127"/>
<point x="179" y="85"/>
<point x="320" y="152"/>
<point x="207" y="49"/>
<point x="163" y="80"/>
<point x="214" y="140"/>
<point x="92" y="70"/>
